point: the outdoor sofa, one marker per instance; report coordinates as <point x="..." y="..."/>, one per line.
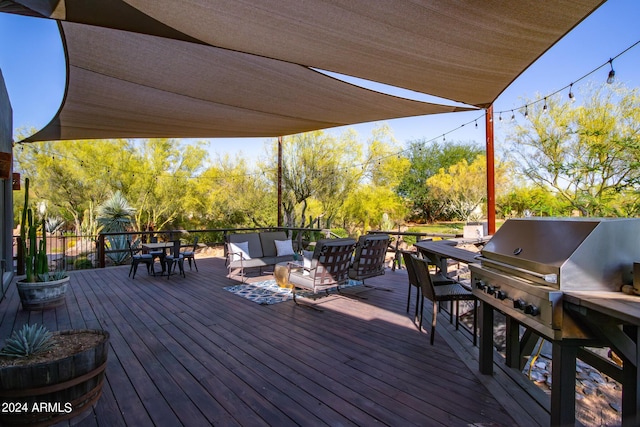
<point x="257" y="250"/>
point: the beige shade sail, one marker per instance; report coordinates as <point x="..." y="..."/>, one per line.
<point x="216" y="68"/>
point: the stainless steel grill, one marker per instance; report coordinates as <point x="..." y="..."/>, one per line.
<point x="528" y="263"/>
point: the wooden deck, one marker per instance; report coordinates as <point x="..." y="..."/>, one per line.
<point x="186" y="352"/>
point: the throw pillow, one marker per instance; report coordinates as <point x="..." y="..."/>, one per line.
<point x="284" y="247"/>
<point x="307" y="256"/>
<point x="240" y="249"/>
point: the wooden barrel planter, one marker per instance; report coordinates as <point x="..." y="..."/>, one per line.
<point x="42" y="394"/>
<point x="42" y="295"/>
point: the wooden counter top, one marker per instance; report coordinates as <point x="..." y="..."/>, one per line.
<point x="616" y="305"/>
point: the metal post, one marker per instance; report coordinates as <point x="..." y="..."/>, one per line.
<point x="279" y="181"/>
<point x="101" y="253"/>
<point x="491" y="185"/>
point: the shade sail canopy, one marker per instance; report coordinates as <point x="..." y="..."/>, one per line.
<point x="223" y="68"/>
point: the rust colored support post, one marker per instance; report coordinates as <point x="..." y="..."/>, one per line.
<point x="491" y="185"/>
<point x="101" y="254"/>
<point x="279" y="181"/>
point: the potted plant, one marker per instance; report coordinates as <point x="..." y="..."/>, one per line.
<point x="40" y="288"/>
<point x="49" y="377"/>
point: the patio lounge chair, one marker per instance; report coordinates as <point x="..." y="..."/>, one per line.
<point x="368" y="260"/>
<point x="329" y="267"/>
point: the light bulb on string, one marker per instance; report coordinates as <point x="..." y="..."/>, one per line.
<point x="544" y="107"/>
<point x="612" y="73"/>
<point x="572" y="97"/>
<point x="476" y="124"/>
<point x="500" y="116"/>
<point x="526" y="111"/>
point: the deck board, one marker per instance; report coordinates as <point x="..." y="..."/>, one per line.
<point x="183" y="351"/>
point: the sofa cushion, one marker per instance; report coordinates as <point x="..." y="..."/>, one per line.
<point x="253" y="262"/>
<point x="255" y="247"/>
<point x="239" y="250"/>
<point x="267" y="239"/>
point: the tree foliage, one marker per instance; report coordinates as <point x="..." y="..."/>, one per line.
<point x="587" y="154"/>
<point x="426" y="159"/>
<point x="462" y="187"/>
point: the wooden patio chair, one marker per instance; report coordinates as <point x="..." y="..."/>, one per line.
<point x="329" y="267"/>
<point x="454" y="292"/>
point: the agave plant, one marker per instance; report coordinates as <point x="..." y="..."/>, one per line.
<point x="28" y="341"/>
<point x="114" y="215"/>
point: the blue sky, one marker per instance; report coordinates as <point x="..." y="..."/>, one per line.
<point x="32" y="64"/>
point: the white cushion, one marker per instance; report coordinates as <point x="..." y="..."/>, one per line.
<point x="239" y="248"/>
<point x="284" y="247"/>
<point x="307" y="255"/>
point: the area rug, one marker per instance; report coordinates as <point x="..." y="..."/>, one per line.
<point x="268" y="292"/>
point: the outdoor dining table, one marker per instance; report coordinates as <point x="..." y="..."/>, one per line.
<point x="159" y="246"/>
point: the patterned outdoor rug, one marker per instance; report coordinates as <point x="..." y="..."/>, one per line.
<point x="268" y="292"/>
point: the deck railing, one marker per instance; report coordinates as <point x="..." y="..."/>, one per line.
<point x="71" y="252"/>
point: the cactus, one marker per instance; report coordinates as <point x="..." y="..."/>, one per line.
<point x="28" y="341"/>
<point x="36" y="261"/>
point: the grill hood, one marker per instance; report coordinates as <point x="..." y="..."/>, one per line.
<point x="567" y="253"/>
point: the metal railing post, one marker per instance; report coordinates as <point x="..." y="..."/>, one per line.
<point x="101" y="255"/>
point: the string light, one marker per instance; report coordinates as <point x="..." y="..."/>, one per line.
<point x="610" y="79"/>
<point x="571" y="95"/>
<point x="612" y="73"/>
<point x="513" y="116"/>
<point x="526" y="111"/>
<point x="500" y="117"/>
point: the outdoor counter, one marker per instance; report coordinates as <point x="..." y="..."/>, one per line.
<point x="614" y="318"/>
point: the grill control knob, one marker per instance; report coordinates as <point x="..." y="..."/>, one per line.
<point x="490" y="289"/>
<point x="519" y="304"/>
<point x="532" y="310"/>
<point x="480" y="285"/>
<point x="501" y="295"/>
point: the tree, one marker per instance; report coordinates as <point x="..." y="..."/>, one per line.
<point x="70" y="175"/>
<point x="587" y="154"/>
<point x="462" y="187"/>
<point x="315" y="165"/>
<point x="426" y="159"/>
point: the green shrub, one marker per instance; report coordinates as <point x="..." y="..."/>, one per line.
<point x="82" y="263"/>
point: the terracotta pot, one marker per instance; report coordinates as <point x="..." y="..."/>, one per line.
<point x="42" y="394"/>
<point x="42" y="295"/>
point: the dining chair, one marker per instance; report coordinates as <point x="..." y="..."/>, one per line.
<point x="190" y="255"/>
<point x="175" y="258"/>
<point x="453" y="292"/>
<point x="137" y="258"/>
<point x="156" y="254"/>
<point x="413" y="280"/>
